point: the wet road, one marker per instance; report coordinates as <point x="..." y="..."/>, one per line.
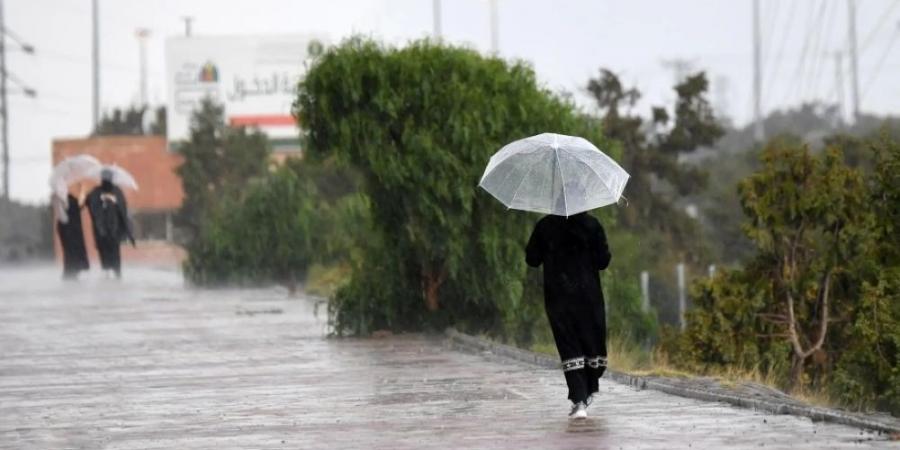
<point x="148" y="364"/>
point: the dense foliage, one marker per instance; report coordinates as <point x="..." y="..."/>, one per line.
<point x="266" y="233"/>
<point x="419" y="124"/>
<point x="219" y="161"/>
<point x="818" y="303"/>
<point x="132" y="121"/>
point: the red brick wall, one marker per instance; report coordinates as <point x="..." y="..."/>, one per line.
<point x="153" y="167"/>
<point x="146" y="157"/>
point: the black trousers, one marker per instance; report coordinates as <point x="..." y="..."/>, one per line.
<point x="579" y="329"/>
<point x="110" y="257"/>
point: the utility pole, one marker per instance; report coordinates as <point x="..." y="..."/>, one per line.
<point x="3" y="111"/>
<point x="95" y="53"/>
<point x="758" y="132"/>
<point x="839" y="83"/>
<point x="5" y="76"/>
<point x="495" y="38"/>
<point x="436" y="19"/>
<point x="854" y="73"/>
<point x="188" y="20"/>
<point x="142" y="35"/>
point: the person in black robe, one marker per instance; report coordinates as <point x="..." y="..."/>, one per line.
<point x="573" y="250"/>
<point x="71" y="237"/>
<point x="109" y="214"/>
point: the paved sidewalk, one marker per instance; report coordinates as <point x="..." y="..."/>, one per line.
<point x="148" y="364"/>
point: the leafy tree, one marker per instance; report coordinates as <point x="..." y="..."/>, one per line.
<point x="820" y="301"/>
<point x="868" y="368"/>
<point x="807" y="219"/>
<point x="654" y="155"/>
<point x="218" y="160"/>
<point x="159" y="125"/>
<point x="736" y="156"/>
<point x="727" y="326"/>
<point x="651" y="149"/>
<point x="265" y="233"/>
<point x="419" y="124"/>
<point x="279" y="225"/>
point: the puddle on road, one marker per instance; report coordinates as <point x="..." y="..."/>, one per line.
<point x="401" y="363"/>
<point x="158" y="299"/>
<point x="253" y="312"/>
<point x="458" y="397"/>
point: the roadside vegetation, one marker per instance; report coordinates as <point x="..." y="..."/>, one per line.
<point x="383" y="216"/>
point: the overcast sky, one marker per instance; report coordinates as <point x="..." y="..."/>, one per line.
<point x="565" y="40"/>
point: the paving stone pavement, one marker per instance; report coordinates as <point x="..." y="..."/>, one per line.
<point x="149" y="364"/>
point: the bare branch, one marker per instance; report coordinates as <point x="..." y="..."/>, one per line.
<point x="792" y="325"/>
<point x="824" y="286"/>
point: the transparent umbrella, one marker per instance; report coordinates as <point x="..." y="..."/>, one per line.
<point x="71" y="170"/>
<point x="120" y="176"/>
<point x="553" y="174"/>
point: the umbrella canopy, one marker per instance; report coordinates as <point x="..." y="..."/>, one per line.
<point x="553" y="174"/>
<point x="70" y="170"/>
<point x="120" y="176"/>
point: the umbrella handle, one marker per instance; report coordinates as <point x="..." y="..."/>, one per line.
<point x="623" y="197"/>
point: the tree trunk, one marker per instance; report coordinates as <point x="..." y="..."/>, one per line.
<point x="431" y="282"/>
<point x="797" y="363"/>
<point x="799" y="354"/>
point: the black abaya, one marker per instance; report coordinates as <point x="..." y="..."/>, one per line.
<point x="71" y="239"/>
<point x="573" y="250"/>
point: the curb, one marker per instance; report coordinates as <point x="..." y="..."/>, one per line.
<point x="886" y="424"/>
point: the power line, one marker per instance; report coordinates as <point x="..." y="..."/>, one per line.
<point x="22" y="85"/>
<point x="28" y="48"/>
<point x="801" y="62"/>
<point x="820" y="53"/>
<point x="4" y="100"/>
<point x="63" y="5"/>
<point x="775" y="68"/>
<point x="884" y="55"/>
<point x="57" y="111"/>
<point x="772" y="20"/>
<point x="884" y="18"/>
<point x="81" y="60"/>
<point x="815" y="44"/>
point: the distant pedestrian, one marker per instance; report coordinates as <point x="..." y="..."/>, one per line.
<point x="573" y="250"/>
<point x="71" y="236"/>
<point x="109" y="214"/>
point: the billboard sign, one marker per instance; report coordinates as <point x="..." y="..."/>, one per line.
<point x="253" y="77"/>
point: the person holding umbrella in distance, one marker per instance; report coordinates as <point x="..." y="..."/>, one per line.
<point x="109" y="215"/>
<point x="563" y="177"/>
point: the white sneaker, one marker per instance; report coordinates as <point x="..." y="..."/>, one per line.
<point x="579" y="411"/>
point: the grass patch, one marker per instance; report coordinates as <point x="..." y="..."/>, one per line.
<point x="545" y="348"/>
<point x="628" y="357"/>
